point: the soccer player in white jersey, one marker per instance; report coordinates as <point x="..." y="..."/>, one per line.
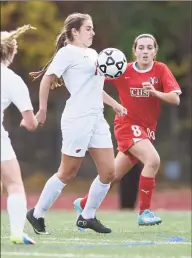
<point x="14" y="90"/>
<point x="82" y="124"/>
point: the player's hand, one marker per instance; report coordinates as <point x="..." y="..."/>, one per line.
<point x="150" y="88"/>
<point x="41" y="117"/>
<point x="120" y="110"/>
<point x="22" y="124"/>
<point x="30" y="127"/>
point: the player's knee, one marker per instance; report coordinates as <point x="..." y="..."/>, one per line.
<point x="65" y="177"/>
<point x="15" y="188"/>
<point x="108" y="176"/>
<point x="67" y="174"/>
<point x="154" y="163"/>
<point x="111" y="176"/>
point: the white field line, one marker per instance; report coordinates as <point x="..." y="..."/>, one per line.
<point x="95" y="242"/>
<point x="84" y="241"/>
<point x="66" y="255"/>
<point x="70" y="255"/>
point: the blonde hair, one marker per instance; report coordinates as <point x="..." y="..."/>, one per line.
<point x="144" y="36"/>
<point x="9" y="43"/>
<point x="74" y="20"/>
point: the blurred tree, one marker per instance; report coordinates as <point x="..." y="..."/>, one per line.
<point x="35" y="48"/>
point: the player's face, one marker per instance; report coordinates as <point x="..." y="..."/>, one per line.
<point x="85" y="34"/>
<point x="145" y="52"/>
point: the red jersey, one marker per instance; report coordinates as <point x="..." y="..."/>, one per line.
<point x="142" y="108"/>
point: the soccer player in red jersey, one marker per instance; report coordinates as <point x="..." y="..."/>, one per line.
<point x="141" y="89"/>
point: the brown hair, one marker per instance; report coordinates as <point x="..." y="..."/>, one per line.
<point x="144" y="36"/>
<point x="73" y="21"/>
<point x="9" y="43"/>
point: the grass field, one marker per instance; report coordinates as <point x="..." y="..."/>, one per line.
<point x="170" y="239"/>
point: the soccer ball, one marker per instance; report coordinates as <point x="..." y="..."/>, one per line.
<point x="111" y="63"/>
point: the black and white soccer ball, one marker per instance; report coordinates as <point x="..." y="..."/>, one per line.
<point x="111" y="63"/>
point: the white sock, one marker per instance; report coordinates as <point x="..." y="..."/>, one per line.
<point x="97" y="193"/>
<point x="49" y="195"/>
<point x="17" y="209"/>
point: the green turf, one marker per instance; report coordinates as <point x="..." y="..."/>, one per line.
<point x="126" y="240"/>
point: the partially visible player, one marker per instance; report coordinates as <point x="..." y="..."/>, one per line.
<point x="141" y="89"/>
<point x="14" y="90"/>
<point x="83" y="125"/>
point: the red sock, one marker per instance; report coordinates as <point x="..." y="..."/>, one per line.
<point x="84" y="200"/>
<point x="146" y="186"/>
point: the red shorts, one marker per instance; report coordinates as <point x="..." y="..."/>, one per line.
<point x="128" y="133"/>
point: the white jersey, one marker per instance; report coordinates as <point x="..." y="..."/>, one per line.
<point x="77" y="66"/>
<point x="13" y="90"/>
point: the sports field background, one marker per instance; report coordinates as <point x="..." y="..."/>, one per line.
<point x="171" y="239"/>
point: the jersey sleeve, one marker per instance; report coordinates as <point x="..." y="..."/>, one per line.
<point x="59" y="63"/>
<point x="19" y="95"/>
<point x="169" y="82"/>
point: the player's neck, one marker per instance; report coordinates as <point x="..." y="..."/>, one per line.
<point x="142" y="67"/>
<point x="78" y="44"/>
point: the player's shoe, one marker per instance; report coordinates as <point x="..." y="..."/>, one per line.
<point x="37" y="224"/>
<point x="147" y="218"/>
<point x="25" y="239"/>
<point x="77" y="207"/>
<point x="93" y="224"/>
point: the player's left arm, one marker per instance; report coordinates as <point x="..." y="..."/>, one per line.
<point x="169" y="97"/>
<point x="171" y="89"/>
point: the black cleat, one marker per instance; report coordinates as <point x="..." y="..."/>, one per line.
<point x="37" y="224"/>
<point x="93" y="224"/>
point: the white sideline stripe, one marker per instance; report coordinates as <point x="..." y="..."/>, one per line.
<point x="69" y="255"/>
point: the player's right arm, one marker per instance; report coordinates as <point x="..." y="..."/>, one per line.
<point x="43" y="97"/>
<point x="118" y="108"/>
<point x="29" y="120"/>
<point x="55" y="70"/>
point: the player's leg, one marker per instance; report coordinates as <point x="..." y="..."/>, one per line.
<point x="101" y="150"/>
<point x="68" y="169"/>
<point x="147" y="154"/>
<point x="16" y="201"/>
<point x="104" y="160"/>
<point x="123" y="164"/>
<point x="122" y="161"/>
<point x="74" y="145"/>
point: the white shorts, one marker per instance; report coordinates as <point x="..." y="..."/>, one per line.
<point x="80" y="134"/>
<point x="7" y="152"/>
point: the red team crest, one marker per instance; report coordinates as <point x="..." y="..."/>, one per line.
<point x="143" y="109"/>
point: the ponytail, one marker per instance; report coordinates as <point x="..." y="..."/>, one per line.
<point x="8" y="42"/>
